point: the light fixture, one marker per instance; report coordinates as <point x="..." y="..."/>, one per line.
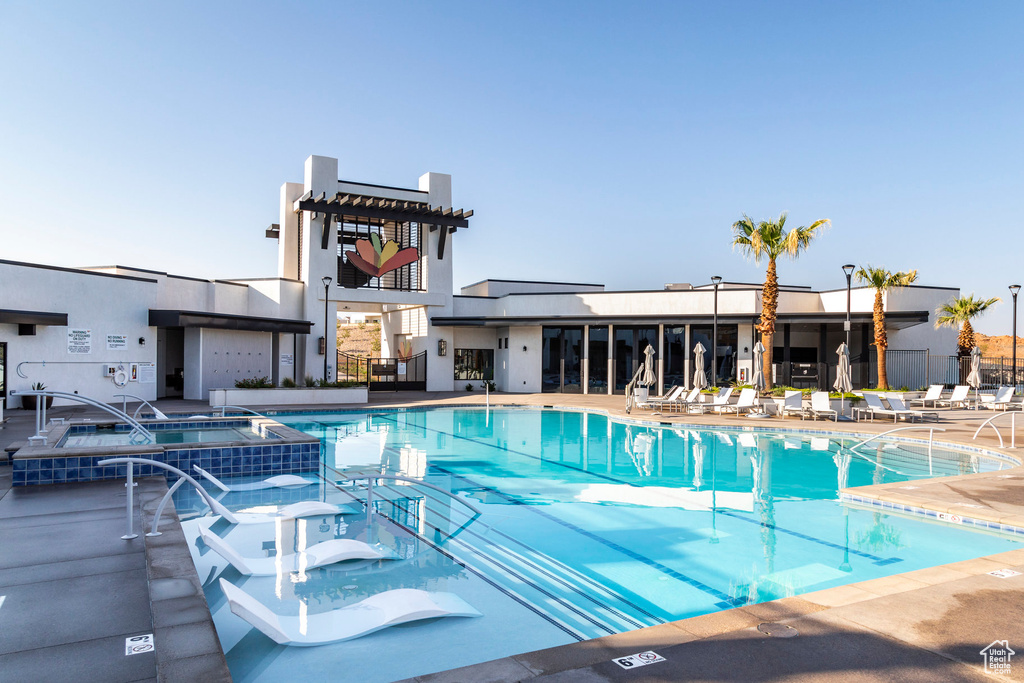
<point x="715" y="280"/>
<point x="142" y="341"/>
<point x="524" y="348"/>
<point x="1014" y="289"/>
<point x="327" y="280"/>
<point x="442" y="347"/>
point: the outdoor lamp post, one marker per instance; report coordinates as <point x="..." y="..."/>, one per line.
<point x="848" y="269"/>
<point x="326" y="279"/>
<point x="716" y="280"/>
<point x="1013" y="290"/>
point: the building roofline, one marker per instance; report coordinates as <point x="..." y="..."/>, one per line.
<point x="79" y="271"/>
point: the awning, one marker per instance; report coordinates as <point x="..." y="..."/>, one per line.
<point x="9" y="317"/>
<point x="894" y="320"/>
<point x="224" y="321"/>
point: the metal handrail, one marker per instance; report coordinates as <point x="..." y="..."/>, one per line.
<point x="131" y="462"/>
<point x="124" y="406"/>
<point x="931" y="433"/>
<point x="137" y="427"/>
<point x="1013" y="428"/>
<point x="223" y="411"/>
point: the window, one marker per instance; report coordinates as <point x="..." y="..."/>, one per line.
<point x="474" y="364"/>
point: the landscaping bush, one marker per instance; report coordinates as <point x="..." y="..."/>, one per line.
<point x="254" y="383"/>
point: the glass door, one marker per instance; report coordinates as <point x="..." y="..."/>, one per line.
<point x="3" y="374"/>
<point x="562" y="359"/>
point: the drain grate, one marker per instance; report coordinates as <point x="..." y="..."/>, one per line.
<point x="774" y="630"/>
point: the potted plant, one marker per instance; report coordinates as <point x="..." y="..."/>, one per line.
<point x="29" y="402"/>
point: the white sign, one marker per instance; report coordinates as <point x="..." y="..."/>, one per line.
<point x="287" y="359"/>
<point x="1004" y="573"/>
<point x="401" y="368"/>
<point x="136" y="645"/>
<point x="117" y="342"/>
<point x="79" y="341"/>
<point x="951" y="518"/>
<point x="642" y="659"/>
<point x="146" y="373"/>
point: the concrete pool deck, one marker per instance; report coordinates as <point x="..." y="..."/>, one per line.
<point x="925" y="625"/>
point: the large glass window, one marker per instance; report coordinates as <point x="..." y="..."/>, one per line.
<point x="630" y="343"/>
<point x="562" y="359"/>
<point x="474" y="364"/>
<point x="674" y="356"/>
<point x="597" y="363"/>
<point x="728" y="337"/>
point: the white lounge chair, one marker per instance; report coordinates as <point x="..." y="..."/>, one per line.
<point x="656" y="402"/>
<point x="793" y="403"/>
<point x="744" y="403"/>
<point x="379" y="611"/>
<point x="900" y="408"/>
<point x="933" y="395"/>
<point x="875" y="407"/>
<point x="958" y="397"/>
<point x="684" y="402"/>
<point x="319" y="555"/>
<point x="722" y="399"/>
<point x="820" y="406"/>
<point x="280" y="481"/>
<point x="304" y="508"/>
<point x="1002" y="400"/>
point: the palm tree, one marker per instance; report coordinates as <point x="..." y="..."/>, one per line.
<point x="959" y="312"/>
<point x="882" y="281"/>
<point x="770" y="239"/>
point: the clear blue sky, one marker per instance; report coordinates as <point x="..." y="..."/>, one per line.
<point x="597" y="142"/>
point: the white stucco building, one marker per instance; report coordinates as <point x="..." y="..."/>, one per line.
<point x="348" y="247"/>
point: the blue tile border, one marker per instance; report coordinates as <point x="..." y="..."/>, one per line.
<point x="890" y="506"/>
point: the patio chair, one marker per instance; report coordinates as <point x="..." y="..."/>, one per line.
<point x="933" y="394"/>
<point x="744" y="403"/>
<point x="897" y="405"/>
<point x="721" y="400"/>
<point x="684" y="402"/>
<point x="656" y="402"/>
<point x="820" y="406"/>
<point x="319" y="555"/>
<point x="793" y="402"/>
<point x="376" y="612"/>
<point x="1001" y="400"/>
<point x="875" y="407"/>
<point x="958" y="397"/>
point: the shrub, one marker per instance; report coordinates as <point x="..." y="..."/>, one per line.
<point x="490" y="386"/>
<point x="309" y="381"/>
<point x="469" y="386"/>
<point x="288" y="383"/>
<point x="254" y="383"/>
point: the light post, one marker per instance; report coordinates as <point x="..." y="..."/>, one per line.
<point x="848" y="269"/>
<point x="1013" y="290"/>
<point x="716" y="280"/>
<point x="326" y="279"/>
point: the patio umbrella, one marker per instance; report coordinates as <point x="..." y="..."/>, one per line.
<point x="649" y="377"/>
<point x="700" y="379"/>
<point x="843" y="383"/>
<point x="974" y="378"/>
<point x="758" y="377"/>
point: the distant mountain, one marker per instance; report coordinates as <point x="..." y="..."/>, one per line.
<point x="999" y="345"/>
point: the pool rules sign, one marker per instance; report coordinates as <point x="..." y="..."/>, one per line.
<point x="642" y="659"/>
<point x="79" y="342"/>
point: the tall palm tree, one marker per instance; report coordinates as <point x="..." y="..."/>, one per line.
<point x="882" y="281"/>
<point x="770" y="240"/>
<point x="959" y="312"/>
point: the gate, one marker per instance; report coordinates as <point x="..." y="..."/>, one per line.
<point x="384" y="374"/>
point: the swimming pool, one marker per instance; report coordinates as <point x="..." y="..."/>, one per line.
<point x="588" y="526"/>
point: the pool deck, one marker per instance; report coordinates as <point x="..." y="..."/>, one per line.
<point x="926" y="625"/>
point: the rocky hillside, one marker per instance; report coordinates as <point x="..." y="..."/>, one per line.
<point x="360" y="339"/>
<point x="998" y="345"/>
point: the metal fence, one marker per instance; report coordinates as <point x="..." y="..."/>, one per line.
<point x="384" y="374"/>
<point x="916" y="369"/>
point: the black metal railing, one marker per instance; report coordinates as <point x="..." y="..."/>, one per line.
<point x="920" y="368"/>
<point x="384" y="374"/>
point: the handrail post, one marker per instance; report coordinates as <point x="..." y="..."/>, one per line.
<point x="163" y="503"/>
<point x="1013" y="430"/>
<point x="130" y="485"/>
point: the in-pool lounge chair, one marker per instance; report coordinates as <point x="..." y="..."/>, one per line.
<point x="319" y="555"/>
<point x="280" y="481"/>
<point x="957" y="398"/>
<point x="744" y="403"/>
<point x="821" y="407"/>
<point x="932" y="396"/>
<point x="379" y="611"/>
<point x="793" y="404"/>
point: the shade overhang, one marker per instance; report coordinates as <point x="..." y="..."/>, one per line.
<point x="224" y="321"/>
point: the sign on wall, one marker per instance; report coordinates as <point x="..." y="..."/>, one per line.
<point x="287" y="359"/>
<point x="117" y="342"/>
<point x="146" y="373"/>
<point x="79" y="341"/>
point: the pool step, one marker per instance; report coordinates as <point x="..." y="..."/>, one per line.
<point x="575" y="600"/>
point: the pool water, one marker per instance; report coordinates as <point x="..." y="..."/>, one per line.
<point x="588" y="526"/>
<point x="108" y="437"/>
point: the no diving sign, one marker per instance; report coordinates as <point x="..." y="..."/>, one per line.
<point x="642" y="659"/>
<point x="136" y="645"/>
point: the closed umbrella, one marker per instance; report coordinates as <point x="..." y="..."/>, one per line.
<point x="843" y="383"/>
<point x="649" y="377"/>
<point x="757" y="379"/>
<point x="700" y="379"/>
<point x="974" y="378"/>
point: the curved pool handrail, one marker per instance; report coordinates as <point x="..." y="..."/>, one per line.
<point x="124" y="406"/>
<point x="137" y="427"/>
<point x="223" y="411"/>
<point x="1013" y="428"/>
<point x="931" y="431"/>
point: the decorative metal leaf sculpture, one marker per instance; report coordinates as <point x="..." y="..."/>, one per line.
<point x="374" y="258"/>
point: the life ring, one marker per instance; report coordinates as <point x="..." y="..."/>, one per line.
<point x="121" y="377"/>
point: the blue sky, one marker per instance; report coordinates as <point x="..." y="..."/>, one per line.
<point x="597" y="142"/>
